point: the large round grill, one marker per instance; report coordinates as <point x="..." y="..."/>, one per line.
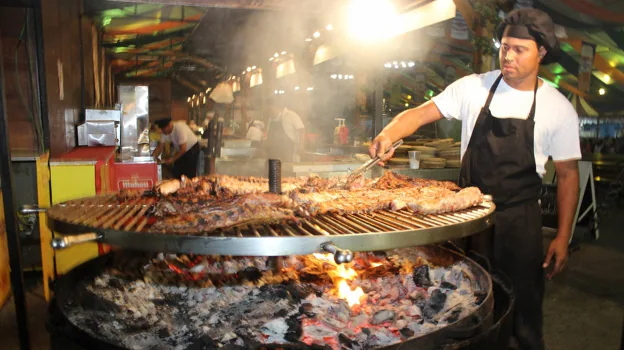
<point x="128" y="225"/>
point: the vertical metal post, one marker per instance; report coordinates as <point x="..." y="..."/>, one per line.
<point x="83" y="107"/>
<point x="378" y="104"/>
<point x="41" y="78"/>
<point x="10" y="219"/>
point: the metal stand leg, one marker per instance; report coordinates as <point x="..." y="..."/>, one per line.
<point x="13" y="240"/>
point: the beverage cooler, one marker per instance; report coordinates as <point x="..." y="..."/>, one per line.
<point x="140" y="173"/>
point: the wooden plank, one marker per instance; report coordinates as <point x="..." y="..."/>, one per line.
<point x="305" y="6"/>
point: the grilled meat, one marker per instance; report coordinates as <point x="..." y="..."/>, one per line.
<point x="216" y="218"/>
<point x="208" y="203"/>
<point x="434" y="200"/>
<point x="390" y="180"/>
<point x="423" y="200"/>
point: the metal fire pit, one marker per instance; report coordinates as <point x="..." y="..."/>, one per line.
<point x="128" y="226"/>
<point x="70" y="293"/>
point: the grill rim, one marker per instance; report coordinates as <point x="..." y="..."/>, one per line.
<point x="479" y="218"/>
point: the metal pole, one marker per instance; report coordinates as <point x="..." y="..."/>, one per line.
<point x="10" y="219"/>
<point x="378" y="104"/>
<point x="41" y="78"/>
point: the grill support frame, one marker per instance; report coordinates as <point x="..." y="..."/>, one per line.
<point x="381" y="230"/>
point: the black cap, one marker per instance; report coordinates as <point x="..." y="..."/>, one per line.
<point x="162" y="123"/>
<point x="530" y="23"/>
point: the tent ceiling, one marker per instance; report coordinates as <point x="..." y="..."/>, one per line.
<point x="199" y="45"/>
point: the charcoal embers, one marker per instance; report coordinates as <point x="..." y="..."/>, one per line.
<point x="435" y="304"/>
<point x="382" y="316"/>
<point x="421" y="276"/>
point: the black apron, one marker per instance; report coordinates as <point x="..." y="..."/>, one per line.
<point x="187" y="164"/>
<point x="278" y="144"/>
<point x="500" y="161"/>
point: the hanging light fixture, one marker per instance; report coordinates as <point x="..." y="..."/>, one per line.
<point x="285" y="68"/>
<point x="256" y="78"/>
<point x="324" y="53"/>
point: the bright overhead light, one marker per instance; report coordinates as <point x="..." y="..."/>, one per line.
<point x="410" y="64"/>
<point x="403" y="64"/>
<point x="296" y="88"/>
<point x="253" y="67"/>
<point x="244" y="72"/>
<point x="406" y="104"/>
<point x="602" y="91"/>
<point x="607" y="78"/>
<point x="188" y="99"/>
<point x="316" y="34"/>
<point x="388" y="65"/>
<point x="329" y="27"/>
<point x="284" y="52"/>
<point x="276" y="92"/>
<point x="339" y="76"/>
<point x="276" y="55"/>
<point x="333" y="76"/>
<point x="249" y="69"/>
<point x="363" y="13"/>
<point x="409" y="97"/>
<point x="271" y="59"/>
<point x="310" y="89"/>
<point x="308" y="39"/>
<point x="194" y="96"/>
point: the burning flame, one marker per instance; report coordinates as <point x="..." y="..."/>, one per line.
<point x="340" y="275"/>
<point x="375" y="264"/>
<point x="351" y="296"/>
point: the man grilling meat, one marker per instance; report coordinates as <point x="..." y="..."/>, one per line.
<point x="285" y="131"/>
<point x="184" y="140"/>
<point x="511" y="123"/>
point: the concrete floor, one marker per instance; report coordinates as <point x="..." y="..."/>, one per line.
<point x="583" y="309"/>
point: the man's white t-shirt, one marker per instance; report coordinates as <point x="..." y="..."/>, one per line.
<point x="254" y="131"/>
<point x="556" y="122"/>
<point x="180" y="134"/>
<point x="291" y="122"/>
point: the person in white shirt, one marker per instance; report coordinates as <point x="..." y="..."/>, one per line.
<point x="512" y="121"/>
<point x="254" y="130"/>
<point x="285" y="132"/>
<point x="186" y="146"/>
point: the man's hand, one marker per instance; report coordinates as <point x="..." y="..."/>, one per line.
<point x="559" y="250"/>
<point x="379" y="145"/>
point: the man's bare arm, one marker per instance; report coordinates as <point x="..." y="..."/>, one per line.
<point x="178" y="154"/>
<point x="567" y="200"/>
<point x="567" y="196"/>
<point x="158" y="150"/>
<point x="403" y="125"/>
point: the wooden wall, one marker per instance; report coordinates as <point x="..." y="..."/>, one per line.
<point x="61" y="37"/>
<point x="21" y="129"/>
<point x="179" y="110"/>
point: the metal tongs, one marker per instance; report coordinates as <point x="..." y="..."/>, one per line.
<point x="371" y="163"/>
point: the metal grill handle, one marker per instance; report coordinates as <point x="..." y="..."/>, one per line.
<point x="341" y="256"/>
<point x="68" y="241"/>
<point x="31" y="209"/>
